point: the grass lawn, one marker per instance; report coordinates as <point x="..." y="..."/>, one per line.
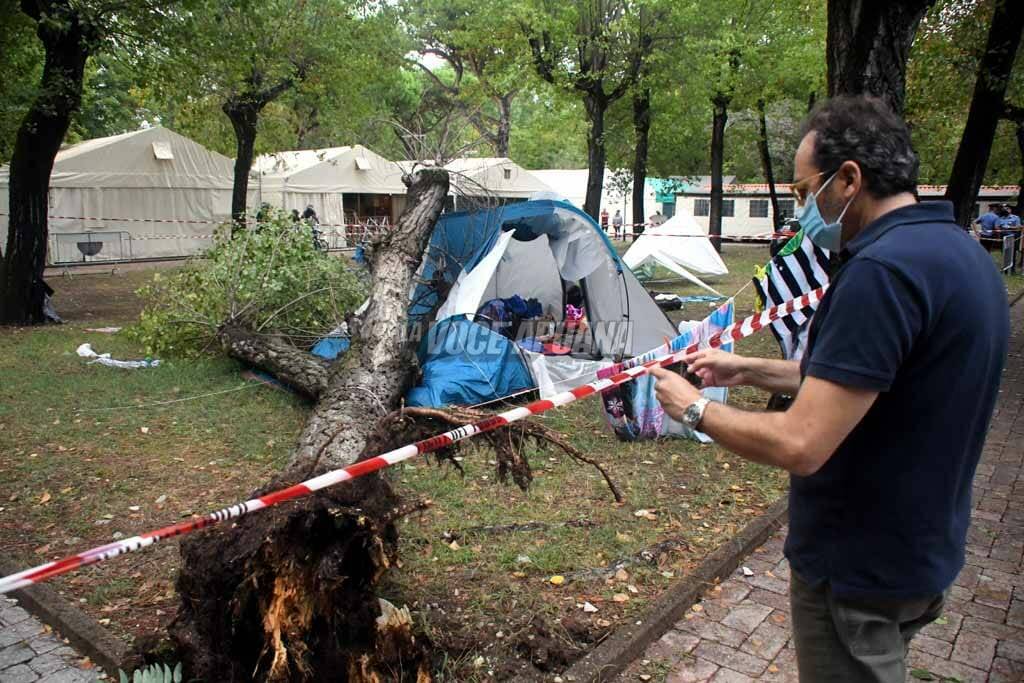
<point x="91" y="453"/>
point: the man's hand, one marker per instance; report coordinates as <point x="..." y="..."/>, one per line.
<point x="717" y="368"/>
<point x="673" y="392"/>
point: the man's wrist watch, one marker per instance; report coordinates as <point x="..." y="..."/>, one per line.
<point x="694" y="413"/>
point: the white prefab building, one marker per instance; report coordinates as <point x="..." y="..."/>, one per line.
<point x="747" y="210"/>
<point x="147" y="194"/>
<point x="344" y="185"/>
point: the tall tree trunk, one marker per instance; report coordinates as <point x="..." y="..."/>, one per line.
<point x="721" y="116"/>
<point x="244" y="117"/>
<point x="290" y="594"/>
<point x="642" y="130"/>
<point x="766" y="162"/>
<point x="37" y="143"/>
<point x="504" y="132"/>
<point x="1019" y="209"/>
<point x="596" y="106"/>
<point x="867" y="45"/>
<point x="994" y="69"/>
<point x="811" y="100"/>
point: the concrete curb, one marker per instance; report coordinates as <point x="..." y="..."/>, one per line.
<point x="626" y="644"/>
<point x="85" y="635"/>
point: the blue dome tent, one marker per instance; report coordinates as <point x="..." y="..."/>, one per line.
<point x="529" y="252"/>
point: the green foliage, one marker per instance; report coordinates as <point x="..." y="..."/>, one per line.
<point x="941" y="72"/>
<point x="155" y="673"/>
<point x="271" y="280"/>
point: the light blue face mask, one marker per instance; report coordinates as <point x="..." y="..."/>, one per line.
<point x="825" y="235"/>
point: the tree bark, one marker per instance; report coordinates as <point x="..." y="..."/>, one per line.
<point x="289" y="594"/>
<point x="642" y="130"/>
<point x="67" y="42"/>
<point x="373" y="375"/>
<point x="303" y="372"/>
<point x="867" y="45"/>
<point x="244" y="117"/>
<point x="766" y="163"/>
<point x="504" y="132"/>
<point x="1019" y="209"/>
<point x="994" y="69"/>
<point x="595" y="106"/>
<point x="721" y="116"/>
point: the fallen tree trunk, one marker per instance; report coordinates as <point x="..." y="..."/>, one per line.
<point x="289" y="594"/>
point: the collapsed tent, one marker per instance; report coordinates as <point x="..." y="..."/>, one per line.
<point x="679" y="245"/>
<point x="482" y="274"/>
<point x="147" y="194"/>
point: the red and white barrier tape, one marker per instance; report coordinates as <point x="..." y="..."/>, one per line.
<point x="362" y="226"/>
<point x="733" y="332"/>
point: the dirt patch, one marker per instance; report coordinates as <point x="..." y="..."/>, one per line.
<point x="91" y="293"/>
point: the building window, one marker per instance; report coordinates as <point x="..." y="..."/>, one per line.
<point x="759" y="208"/>
<point x="701" y="207"/>
<point x="787" y="208"/>
<point x="668" y="210"/>
<point x="508" y="173"/>
<point x="728" y="208"/>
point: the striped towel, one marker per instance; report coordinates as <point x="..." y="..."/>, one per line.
<point x="798" y="268"/>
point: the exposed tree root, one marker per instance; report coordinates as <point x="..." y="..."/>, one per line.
<point x="508" y="443"/>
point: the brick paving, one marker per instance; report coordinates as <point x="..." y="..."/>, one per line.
<point x="31" y="652"/>
<point x="740" y="631"/>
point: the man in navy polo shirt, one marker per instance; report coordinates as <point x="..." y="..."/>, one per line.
<point x="893" y="399"/>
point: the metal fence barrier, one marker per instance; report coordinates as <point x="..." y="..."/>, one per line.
<point x="99" y="246"/>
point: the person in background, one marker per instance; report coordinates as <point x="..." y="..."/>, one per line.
<point x="1008" y="221"/>
<point x="617" y="224"/>
<point x="893" y="399"/>
<point x="309" y="215"/>
<point x="604" y="220"/>
<point x="296" y="218"/>
<point x="988" y="222"/>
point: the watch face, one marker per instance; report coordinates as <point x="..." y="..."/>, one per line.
<point x="691" y="415"/>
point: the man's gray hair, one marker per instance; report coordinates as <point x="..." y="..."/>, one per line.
<point x="864" y="130"/>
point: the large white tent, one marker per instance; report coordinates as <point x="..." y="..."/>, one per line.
<point x="572" y="185"/>
<point x="343" y="184"/>
<point x="483" y="178"/>
<point x="680" y="245"/>
<point x="147" y="194"/>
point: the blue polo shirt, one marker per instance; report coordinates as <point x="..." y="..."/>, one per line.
<point x="918" y="313"/>
<point x="988" y="221"/>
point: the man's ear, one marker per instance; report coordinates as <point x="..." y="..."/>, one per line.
<point x="851" y="178"/>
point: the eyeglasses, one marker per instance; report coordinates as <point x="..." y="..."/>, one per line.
<point x="800" y="189"/>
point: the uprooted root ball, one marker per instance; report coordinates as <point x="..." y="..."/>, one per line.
<point x="289" y="594"/>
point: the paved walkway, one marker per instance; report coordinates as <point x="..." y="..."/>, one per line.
<point x="31" y="652"/>
<point x="740" y="631"/>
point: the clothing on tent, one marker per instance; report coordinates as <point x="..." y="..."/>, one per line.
<point x="633" y="411"/>
<point x="798" y="268"/>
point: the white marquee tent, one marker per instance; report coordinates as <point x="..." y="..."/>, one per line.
<point x="341" y="183"/>
<point x="146" y="194"/>
<point x="680" y="245"/>
<point x="572" y="185"/>
<point x="493" y="177"/>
